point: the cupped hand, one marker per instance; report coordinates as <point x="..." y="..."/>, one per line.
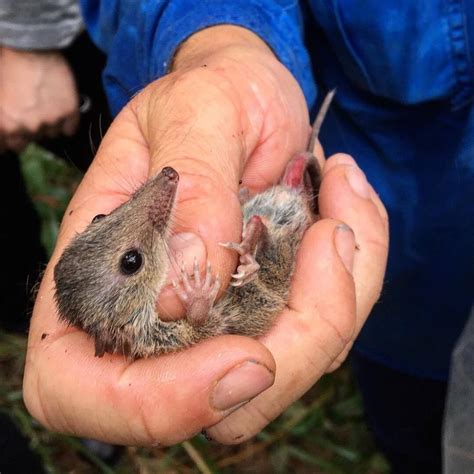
<point x="38" y="97"/>
<point x="229" y="112"/>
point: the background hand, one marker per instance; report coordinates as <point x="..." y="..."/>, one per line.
<point x="38" y="97"/>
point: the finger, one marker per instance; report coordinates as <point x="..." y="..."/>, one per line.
<point x="207" y="210"/>
<point x="344" y="159"/>
<point x="310" y="334"/>
<point x="145" y="402"/>
<point x="70" y="124"/>
<point x="346" y="195"/>
<point x="18" y="141"/>
<point x="210" y="164"/>
<point x="49" y="131"/>
<point x="319" y="153"/>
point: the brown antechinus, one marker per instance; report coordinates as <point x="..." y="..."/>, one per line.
<point x="109" y="277"/>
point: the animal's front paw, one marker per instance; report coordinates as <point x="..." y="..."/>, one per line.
<point x="197" y="294"/>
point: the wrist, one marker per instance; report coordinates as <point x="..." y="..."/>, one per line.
<point x="216" y="74"/>
<point x="215" y="41"/>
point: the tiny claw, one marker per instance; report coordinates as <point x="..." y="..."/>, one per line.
<point x="197" y="273"/>
<point x="215" y="288"/>
<point x="207" y="279"/>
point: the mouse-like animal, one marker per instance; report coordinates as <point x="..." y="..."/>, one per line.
<point x="108" y="278"/>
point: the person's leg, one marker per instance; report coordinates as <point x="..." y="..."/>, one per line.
<point x="23" y="256"/>
<point x="15" y="455"/>
<point x="22" y="259"/>
<point x="22" y="253"/>
<point x="405" y="414"/>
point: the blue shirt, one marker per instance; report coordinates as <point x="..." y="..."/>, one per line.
<point x="404" y="109"/>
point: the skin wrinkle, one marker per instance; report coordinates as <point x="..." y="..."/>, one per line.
<point x="183" y="153"/>
<point x="52" y="336"/>
<point x="208" y="182"/>
<point x="140" y="408"/>
<point x="311" y="360"/>
<point x="120" y="392"/>
<point x="340" y="358"/>
<point x="343" y="340"/>
<point x="264" y="182"/>
<point x="189" y="77"/>
<point x="254" y="413"/>
<point x="250" y="123"/>
<point x="145" y="420"/>
<point x="65" y="422"/>
<point x="100" y="427"/>
<point x="260" y="112"/>
<point x="321" y="347"/>
<point x="38" y="401"/>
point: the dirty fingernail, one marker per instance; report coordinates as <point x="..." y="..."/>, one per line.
<point x="240" y="384"/>
<point x="358" y="182"/>
<point x="345" y="245"/>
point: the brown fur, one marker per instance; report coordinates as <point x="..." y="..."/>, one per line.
<point x="119" y="311"/>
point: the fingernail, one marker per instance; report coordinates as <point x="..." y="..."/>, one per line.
<point x="344" y="159"/>
<point x="241" y="384"/>
<point x="344" y="241"/>
<point x="337" y="160"/>
<point x="357" y="181"/>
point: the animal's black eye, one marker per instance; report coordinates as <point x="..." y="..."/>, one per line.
<point x="131" y="262"/>
<point x="98" y="217"/>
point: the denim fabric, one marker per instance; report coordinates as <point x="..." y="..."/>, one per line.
<point x="403" y="109"/>
<point x="140" y="38"/>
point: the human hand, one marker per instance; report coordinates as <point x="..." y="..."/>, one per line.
<point x="38" y="97"/>
<point x="242" y="116"/>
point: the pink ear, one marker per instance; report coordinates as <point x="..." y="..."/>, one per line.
<point x="295" y="170"/>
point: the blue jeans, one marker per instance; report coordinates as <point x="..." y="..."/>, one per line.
<point x="405" y="414"/>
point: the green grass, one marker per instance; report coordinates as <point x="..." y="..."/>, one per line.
<point x="324" y="432"/>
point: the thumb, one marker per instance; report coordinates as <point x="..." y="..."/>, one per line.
<point x="310" y="334"/>
<point x="179" y="126"/>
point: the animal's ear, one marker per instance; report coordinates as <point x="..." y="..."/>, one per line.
<point x="303" y="172"/>
<point x="244" y="195"/>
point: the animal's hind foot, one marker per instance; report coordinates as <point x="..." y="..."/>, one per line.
<point x="246" y="271"/>
<point x="197" y="294"/>
<point x="248" y="267"/>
